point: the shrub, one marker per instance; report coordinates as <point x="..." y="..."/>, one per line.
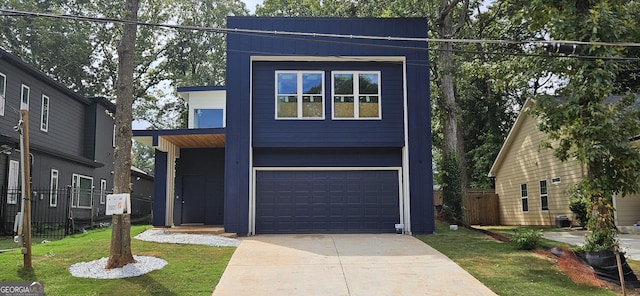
<point x="527" y="239"/>
<point x="579" y="205"/>
<point x="450" y="179"/>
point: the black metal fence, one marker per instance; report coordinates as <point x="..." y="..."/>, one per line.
<point x="58" y="213"/>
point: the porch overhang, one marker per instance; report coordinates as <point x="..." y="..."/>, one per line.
<point x="182" y="138"/>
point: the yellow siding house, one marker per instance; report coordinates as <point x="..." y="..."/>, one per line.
<point x="532" y="184"/>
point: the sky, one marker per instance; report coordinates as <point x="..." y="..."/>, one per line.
<point x="251" y="4"/>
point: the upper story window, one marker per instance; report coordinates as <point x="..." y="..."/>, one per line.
<point x="3" y="92"/>
<point x="299" y="95"/>
<point x="208" y="118"/>
<point x="44" y="115"/>
<point x="24" y="103"/>
<point x="356" y="95"/>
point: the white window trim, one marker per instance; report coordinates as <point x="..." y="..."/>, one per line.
<point x="103" y="191"/>
<point x="299" y="95"/>
<point x="53" y="192"/>
<point x="3" y="94"/>
<point x="546" y="195"/>
<point x="75" y="201"/>
<point x="524" y="197"/>
<point x="44" y="116"/>
<point x="25" y="105"/>
<point x="113" y="137"/>
<point x="356" y="95"/>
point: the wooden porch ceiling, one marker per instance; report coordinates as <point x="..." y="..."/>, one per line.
<point x="197" y="141"/>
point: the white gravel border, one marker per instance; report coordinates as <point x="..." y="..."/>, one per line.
<point x="95" y="269"/>
<point x="161" y="236"/>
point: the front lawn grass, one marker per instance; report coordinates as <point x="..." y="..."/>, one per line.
<point x="192" y="269"/>
<point x="503" y="268"/>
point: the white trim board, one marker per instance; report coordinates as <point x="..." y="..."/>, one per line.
<point x="403" y="171"/>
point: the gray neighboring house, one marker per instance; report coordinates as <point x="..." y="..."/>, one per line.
<point x="71" y="144"/>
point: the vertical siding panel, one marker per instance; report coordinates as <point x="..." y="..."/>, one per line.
<point x="627" y="210"/>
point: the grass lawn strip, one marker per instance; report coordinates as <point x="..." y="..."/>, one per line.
<point x="503" y="268"/>
<point x="191" y="269"/>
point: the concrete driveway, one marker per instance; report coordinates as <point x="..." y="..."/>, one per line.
<point x="343" y="264"/>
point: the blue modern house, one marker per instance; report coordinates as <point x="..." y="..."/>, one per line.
<point x="316" y="133"/>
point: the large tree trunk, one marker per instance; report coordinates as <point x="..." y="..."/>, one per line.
<point x="453" y="143"/>
<point x="120" y="252"/>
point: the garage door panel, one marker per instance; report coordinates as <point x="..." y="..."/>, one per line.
<point x="326" y="201"/>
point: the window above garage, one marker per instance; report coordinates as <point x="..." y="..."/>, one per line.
<point x="299" y="95"/>
<point x="356" y="95"/>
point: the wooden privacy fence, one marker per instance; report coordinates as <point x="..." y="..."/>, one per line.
<point x="480" y="206"/>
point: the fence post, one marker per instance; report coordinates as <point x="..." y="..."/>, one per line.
<point x="69" y="222"/>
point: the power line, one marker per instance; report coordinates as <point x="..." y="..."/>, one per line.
<point x="9" y="12"/>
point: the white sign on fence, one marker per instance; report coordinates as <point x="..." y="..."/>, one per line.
<point x="118" y="204"/>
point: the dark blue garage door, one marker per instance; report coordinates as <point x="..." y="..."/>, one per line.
<point x="327" y="201"/>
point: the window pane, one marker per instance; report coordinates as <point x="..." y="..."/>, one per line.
<point x="53" y="195"/>
<point x="84" y="188"/>
<point x="45" y="113"/>
<point x="2" y="93"/>
<point x="368" y="84"/>
<point x="312" y="106"/>
<point x="523" y="189"/>
<point x="343" y="106"/>
<point x="287" y="107"/>
<point x="25" y="98"/>
<point x="103" y="191"/>
<point x="543" y="187"/>
<point x="208" y="118"/>
<point x="525" y="205"/>
<point x="312" y="83"/>
<point x="545" y="202"/>
<point x="287" y="83"/>
<point x="368" y="106"/>
<point x="343" y="84"/>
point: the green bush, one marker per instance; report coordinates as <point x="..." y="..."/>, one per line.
<point x="450" y="179"/>
<point x="527" y="239"/>
<point x="579" y="205"/>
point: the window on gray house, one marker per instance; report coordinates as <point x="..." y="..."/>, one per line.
<point x="24" y="103"/>
<point x="53" y="193"/>
<point x="44" y="115"/>
<point x="3" y="92"/>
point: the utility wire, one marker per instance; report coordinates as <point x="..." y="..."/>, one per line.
<point x="10" y="12"/>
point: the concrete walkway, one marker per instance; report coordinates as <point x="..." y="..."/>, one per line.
<point x="347" y="264"/>
<point x="629" y="243"/>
